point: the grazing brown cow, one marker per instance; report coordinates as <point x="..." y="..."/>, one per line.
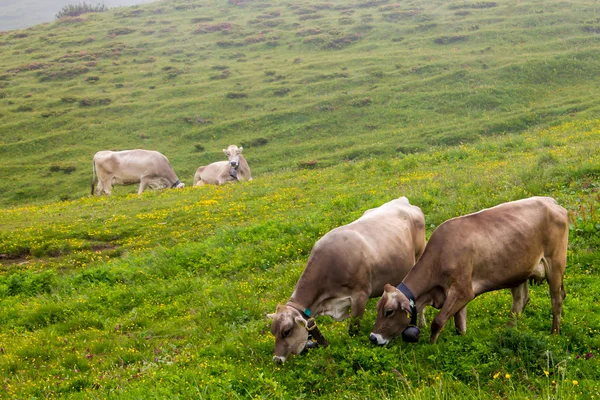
<point x="220" y="172"/>
<point x="347" y="266"/>
<point x="127" y="167"/>
<point x="496" y="248"/>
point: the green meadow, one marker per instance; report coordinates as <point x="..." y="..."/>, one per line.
<point x="340" y="106"/>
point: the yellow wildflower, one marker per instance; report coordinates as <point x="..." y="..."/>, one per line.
<point x="575" y="382"/>
<point x="507" y="376"/>
<point x="546" y="373"/>
<point x="496" y="375"/>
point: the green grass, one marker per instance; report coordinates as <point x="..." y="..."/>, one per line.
<point x="457" y="105"/>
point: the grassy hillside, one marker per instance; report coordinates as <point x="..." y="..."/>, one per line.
<point x="340" y="106"/>
<point x="293" y="82"/>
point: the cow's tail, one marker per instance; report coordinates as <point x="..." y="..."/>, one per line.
<point x="93" y="174"/>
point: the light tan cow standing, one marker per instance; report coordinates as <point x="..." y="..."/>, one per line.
<point x="496" y="248"/>
<point x="147" y="167"/>
<point x="347" y="266"/>
<point x="220" y="172"/>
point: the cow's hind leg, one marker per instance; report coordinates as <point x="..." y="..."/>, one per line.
<point x="106" y="186"/>
<point x="456" y="300"/>
<point x="520" y="295"/>
<point x="460" y="321"/>
<point x="359" y="303"/>
<point x="557" y="291"/>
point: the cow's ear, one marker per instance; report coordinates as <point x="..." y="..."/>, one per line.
<point x="389" y="288"/>
<point x="404" y="304"/>
<point x="225" y="151"/>
<point x="240" y="149"/>
<point x="301" y="321"/>
<point x="280" y="308"/>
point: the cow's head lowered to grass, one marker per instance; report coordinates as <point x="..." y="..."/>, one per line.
<point x="289" y="329"/>
<point x="394" y="317"/>
<point x="233" y="155"/>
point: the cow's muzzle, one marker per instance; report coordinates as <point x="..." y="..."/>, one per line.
<point x="278" y="359"/>
<point x="377" y="339"/>
<point x="234" y="164"/>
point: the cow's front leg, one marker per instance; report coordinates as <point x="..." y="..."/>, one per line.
<point x="359" y="303"/>
<point x="456" y="299"/>
<point x="143" y="185"/>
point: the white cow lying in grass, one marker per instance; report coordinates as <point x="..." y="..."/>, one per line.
<point x="220" y="172"/>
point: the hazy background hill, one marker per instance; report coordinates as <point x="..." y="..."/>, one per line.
<point x="20" y="14"/>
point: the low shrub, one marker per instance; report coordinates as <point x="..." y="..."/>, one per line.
<point x="74" y="10"/>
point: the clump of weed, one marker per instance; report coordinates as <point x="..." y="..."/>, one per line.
<point x="410" y="148"/>
<point x="308" y="32"/>
<point x="60" y="73"/>
<point x="340" y="42"/>
<point x="236" y="95"/>
<point x="74" y="10"/>
<point x="172" y="72"/>
<point x="223" y="75"/>
<point x="67" y="169"/>
<point x="361" y="102"/>
<point x="591" y="29"/>
<point x="346" y="21"/>
<point x="202" y="19"/>
<point x="90" y="102"/>
<point x="188" y="6"/>
<point x="371" y="3"/>
<point x="273" y="23"/>
<point x="198" y="147"/>
<point x="210" y="28"/>
<point x="254" y="39"/>
<point x="310" y="16"/>
<point x="269" y="14"/>
<point x="307" y="164"/>
<point x="24" y="109"/>
<point x="282" y="91"/>
<point x="479" y="4"/>
<point x="120" y="31"/>
<point x="450" y="39"/>
<point x="19" y="35"/>
<point x="255" y="142"/>
<point x="92" y="79"/>
<point x="228" y="43"/>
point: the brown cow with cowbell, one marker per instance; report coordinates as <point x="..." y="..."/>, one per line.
<point x="347" y="266"/>
<point x="496" y="248"/>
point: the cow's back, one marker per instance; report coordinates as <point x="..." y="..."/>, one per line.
<point x="133" y="163"/>
<point x="499" y="246"/>
<point x="378" y="248"/>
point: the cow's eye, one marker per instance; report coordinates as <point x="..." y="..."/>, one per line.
<point x="286" y="333"/>
<point x="388" y="312"/>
